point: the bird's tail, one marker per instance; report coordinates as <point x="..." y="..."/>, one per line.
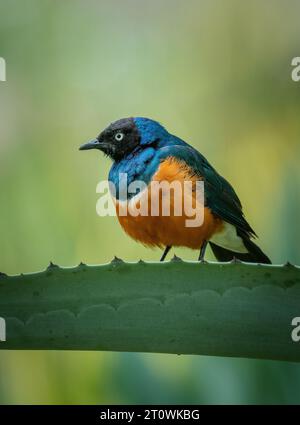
<point x="254" y="254"/>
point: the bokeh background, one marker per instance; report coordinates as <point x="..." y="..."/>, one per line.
<point x="216" y="73"/>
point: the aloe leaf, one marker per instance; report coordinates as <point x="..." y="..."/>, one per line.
<point x="220" y="309"/>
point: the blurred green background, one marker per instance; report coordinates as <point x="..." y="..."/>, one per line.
<point x="217" y="74"/>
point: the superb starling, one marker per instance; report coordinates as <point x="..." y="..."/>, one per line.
<point x="145" y="151"/>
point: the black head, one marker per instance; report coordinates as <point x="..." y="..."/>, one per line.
<point x="118" y="140"/>
<point x="128" y="135"/>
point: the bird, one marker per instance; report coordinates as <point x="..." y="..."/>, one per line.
<point x="144" y="150"/>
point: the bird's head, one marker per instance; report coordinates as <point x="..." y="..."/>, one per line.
<point x="126" y="136"/>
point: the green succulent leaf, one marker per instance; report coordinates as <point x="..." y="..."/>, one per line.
<point x="221" y="309"/>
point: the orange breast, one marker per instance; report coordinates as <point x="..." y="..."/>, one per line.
<point x="170" y="230"/>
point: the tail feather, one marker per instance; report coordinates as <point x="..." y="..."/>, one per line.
<point x="254" y="254"/>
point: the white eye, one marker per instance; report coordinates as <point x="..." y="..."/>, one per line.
<point x="119" y="137"/>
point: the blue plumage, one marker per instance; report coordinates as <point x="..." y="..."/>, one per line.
<point x="149" y="130"/>
<point x="155" y="144"/>
<point x="136" y="166"/>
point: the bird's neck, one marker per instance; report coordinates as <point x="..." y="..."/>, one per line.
<point x="140" y="166"/>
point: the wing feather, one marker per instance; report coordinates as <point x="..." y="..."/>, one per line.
<point x="220" y="196"/>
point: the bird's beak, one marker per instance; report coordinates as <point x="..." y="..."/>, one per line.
<point x="93" y="144"/>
